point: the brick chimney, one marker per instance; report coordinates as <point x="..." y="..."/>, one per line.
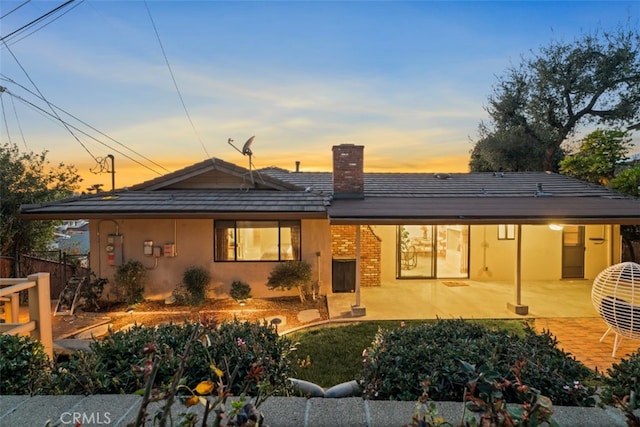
<point x="348" y="171"/>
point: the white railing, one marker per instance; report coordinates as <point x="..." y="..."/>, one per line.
<point x="39" y="322"/>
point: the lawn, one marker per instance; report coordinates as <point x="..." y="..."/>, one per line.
<point x="332" y="355"/>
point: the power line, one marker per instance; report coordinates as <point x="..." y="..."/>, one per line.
<point x="89" y="126"/>
<point x="37" y="20"/>
<point x="69" y="125"/>
<point x="47" y="101"/>
<point x="6" y="122"/>
<point x="175" y="83"/>
<point x="14" y="9"/>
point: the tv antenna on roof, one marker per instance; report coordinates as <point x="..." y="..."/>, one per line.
<point x="246" y="151"/>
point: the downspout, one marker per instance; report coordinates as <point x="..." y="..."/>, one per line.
<point x="518" y="308"/>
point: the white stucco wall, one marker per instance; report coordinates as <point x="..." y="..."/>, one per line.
<point x="194" y="247"/>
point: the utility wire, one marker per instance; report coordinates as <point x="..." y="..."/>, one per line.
<point x="6" y="122"/>
<point x="4" y="115"/>
<point x="175" y="83"/>
<point x="15" y="113"/>
<point x="88" y="125"/>
<point x="35" y="21"/>
<point x="69" y="125"/>
<point x="48" y="23"/>
<point x="14" y="9"/>
<point x="47" y="101"/>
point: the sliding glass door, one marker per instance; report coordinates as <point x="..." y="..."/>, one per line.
<point x="430" y="251"/>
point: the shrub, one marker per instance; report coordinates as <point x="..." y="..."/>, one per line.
<point x="196" y="282"/>
<point x="623" y="382"/>
<point x="24" y="365"/>
<point x="240" y="290"/>
<point x="92" y="292"/>
<point x="291" y="274"/>
<point x="130" y="278"/>
<point x="401" y="359"/>
<point x="119" y="360"/>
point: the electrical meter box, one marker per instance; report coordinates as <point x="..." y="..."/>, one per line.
<point x="115" y="255"/>
<point x="147" y="247"/>
<point x="169" y="250"/>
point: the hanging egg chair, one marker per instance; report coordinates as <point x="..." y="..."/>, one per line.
<point x="616" y="297"/>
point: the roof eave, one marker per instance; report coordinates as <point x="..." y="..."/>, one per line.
<point x="459" y="220"/>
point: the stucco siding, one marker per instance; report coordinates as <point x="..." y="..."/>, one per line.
<point x="193" y="240"/>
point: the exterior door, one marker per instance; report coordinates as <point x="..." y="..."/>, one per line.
<point x="573" y="252"/>
<point x="430" y="251"/>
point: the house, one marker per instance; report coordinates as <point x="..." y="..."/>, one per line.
<point x="356" y="229"/>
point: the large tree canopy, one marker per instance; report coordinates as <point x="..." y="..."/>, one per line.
<point x="594" y="80"/>
<point x="508" y="151"/>
<point x="598" y="157"/>
<point x="29" y="178"/>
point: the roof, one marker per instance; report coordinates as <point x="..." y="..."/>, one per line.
<point x="483" y="197"/>
<point x="433" y="185"/>
<point x="215" y="188"/>
<point x="184" y="204"/>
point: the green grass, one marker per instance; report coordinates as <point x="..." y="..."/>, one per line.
<point x="335" y="352"/>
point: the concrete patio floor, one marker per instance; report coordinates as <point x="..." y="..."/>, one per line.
<point x="430" y="299"/>
<point x="564" y="308"/>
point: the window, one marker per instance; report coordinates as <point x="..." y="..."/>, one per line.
<point x="506" y="232"/>
<point x="256" y="240"/>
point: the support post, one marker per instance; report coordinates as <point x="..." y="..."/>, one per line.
<point x="357" y="310"/>
<point x="11" y="307"/>
<point x="518" y="307"/>
<point x="40" y="310"/>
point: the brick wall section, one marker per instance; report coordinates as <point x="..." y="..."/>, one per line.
<point x="348" y="170"/>
<point x="343" y="245"/>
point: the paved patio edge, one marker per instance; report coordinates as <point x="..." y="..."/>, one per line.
<point x="120" y="410"/>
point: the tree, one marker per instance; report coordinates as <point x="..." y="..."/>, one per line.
<point x="28" y="178"/>
<point x="628" y="181"/>
<point x="291" y="274"/>
<point x="598" y="156"/>
<point x="595" y="79"/>
<point x="507" y="151"/>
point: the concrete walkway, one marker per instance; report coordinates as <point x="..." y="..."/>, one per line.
<point x="120" y="410"/>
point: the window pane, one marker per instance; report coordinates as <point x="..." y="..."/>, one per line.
<point x="506" y="232"/>
<point x="571" y="235"/>
<point x="453" y="251"/>
<point x="257" y="240"/>
<point x="290" y="240"/>
<point x="224" y="246"/>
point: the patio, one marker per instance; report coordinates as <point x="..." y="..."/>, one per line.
<point x="562" y="307"/>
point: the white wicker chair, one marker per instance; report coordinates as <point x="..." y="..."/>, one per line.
<point x="616" y="296"/>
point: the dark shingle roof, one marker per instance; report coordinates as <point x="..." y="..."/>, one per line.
<point x="215" y="188"/>
<point x="481" y="184"/>
<point x="183" y="203"/>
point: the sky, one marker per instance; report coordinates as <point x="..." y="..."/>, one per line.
<point x="161" y="85"/>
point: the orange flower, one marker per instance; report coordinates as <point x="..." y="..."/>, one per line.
<point x="205" y="387"/>
<point x="193" y="400"/>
